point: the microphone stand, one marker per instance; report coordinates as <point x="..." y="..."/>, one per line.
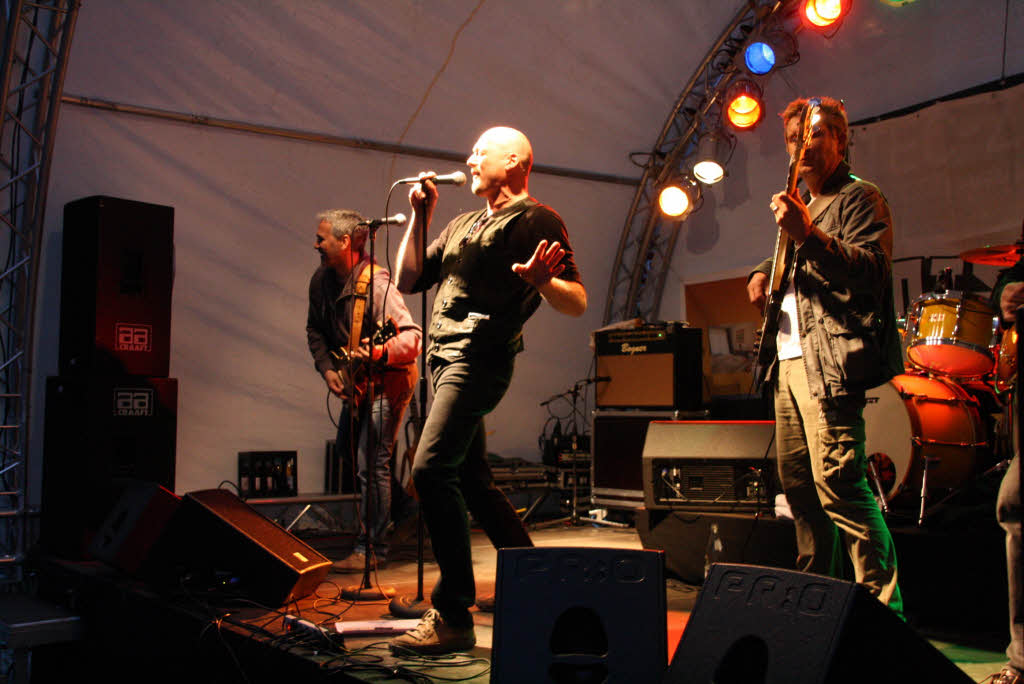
<point x="574" y="516"/>
<point x="411" y="607"/>
<point x="366" y="591"/>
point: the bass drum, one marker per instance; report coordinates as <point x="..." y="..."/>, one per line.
<point x="914" y="420"/>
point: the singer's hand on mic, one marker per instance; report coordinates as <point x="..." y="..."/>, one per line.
<point x="543" y="265"/>
<point x="424" y="194"/>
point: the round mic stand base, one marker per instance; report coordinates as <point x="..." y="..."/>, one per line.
<point x="359" y="592"/>
<point x="409" y="607"/>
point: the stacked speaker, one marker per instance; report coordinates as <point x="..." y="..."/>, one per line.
<point x="111" y="413"/>
<point x="647" y="373"/>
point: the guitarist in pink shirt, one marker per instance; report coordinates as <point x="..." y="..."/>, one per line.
<point x="339" y="303"/>
<point x="830" y="335"/>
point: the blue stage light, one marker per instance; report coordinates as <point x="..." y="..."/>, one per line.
<point x="759" y="57"/>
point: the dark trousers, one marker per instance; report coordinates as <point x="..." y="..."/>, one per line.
<point x="452" y="475"/>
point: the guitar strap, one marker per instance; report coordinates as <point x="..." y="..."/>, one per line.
<point x="361" y="288"/>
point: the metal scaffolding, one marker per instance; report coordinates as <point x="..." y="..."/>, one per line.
<point x="649" y="239"/>
<point x="37" y="38"/>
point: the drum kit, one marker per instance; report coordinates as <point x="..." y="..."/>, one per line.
<point x="942" y="424"/>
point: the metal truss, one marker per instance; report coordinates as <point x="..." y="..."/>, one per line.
<point x="37" y="38"/>
<point x="649" y="239"/>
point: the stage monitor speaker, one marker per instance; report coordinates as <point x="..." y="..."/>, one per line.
<point x="117" y="275"/>
<point x="758" y="624"/>
<point x="579" y="615"/>
<point x="98" y="431"/>
<point x="617" y="445"/>
<point x="216" y="532"/>
<point x="134" y="526"/>
<point x="710" y="465"/>
<point x="651" y="367"/>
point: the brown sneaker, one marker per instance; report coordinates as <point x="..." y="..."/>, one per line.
<point x="433" y="637"/>
<point x="1006" y="676"/>
<point x="356" y="562"/>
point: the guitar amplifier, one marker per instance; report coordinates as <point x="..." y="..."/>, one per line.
<point x="657" y="366"/>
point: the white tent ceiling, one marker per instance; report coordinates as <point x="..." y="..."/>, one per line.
<point x="590" y="81"/>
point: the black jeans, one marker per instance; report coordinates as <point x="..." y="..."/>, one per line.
<point x="452" y="475"/>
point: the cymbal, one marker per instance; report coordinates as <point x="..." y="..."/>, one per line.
<point x="996" y="255"/>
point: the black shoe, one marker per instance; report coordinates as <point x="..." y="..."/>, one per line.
<point x="485" y="603"/>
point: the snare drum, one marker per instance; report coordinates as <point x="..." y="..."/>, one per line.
<point x="914" y="420"/>
<point x="952" y="333"/>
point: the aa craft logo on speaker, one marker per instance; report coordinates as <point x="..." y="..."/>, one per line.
<point x="133" y="401"/>
<point x="133" y="337"/>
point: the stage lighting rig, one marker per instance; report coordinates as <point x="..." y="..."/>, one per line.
<point x="774" y="49"/>
<point x="744" y="104"/>
<point x="678" y="196"/>
<point x="714" y="149"/>
<point x="825" y="14"/>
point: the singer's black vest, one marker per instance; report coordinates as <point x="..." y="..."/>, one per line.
<point x="481" y="304"/>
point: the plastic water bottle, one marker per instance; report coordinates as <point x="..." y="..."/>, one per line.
<point x="713" y="551"/>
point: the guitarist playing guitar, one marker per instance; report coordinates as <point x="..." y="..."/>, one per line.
<point x="829" y="336"/>
<point x="358" y="350"/>
<point x="778" y="281"/>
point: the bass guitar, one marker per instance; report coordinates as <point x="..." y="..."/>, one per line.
<point x="778" y="281"/>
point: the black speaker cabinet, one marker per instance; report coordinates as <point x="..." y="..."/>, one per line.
<point x="617" y="446"/>
<point x="100" y="430"/>
<point x="117" y="273"/>
<point x="579" y="615"/>
<point x="759" y="624"/>
<point x="134" y="526"/>
<point x="707" y="465"/>
<point x="691" y="540"/>
<point x="651" y="367"/>
<point x="216" y="532"/>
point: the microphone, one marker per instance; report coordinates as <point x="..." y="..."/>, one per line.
<point x="396" y="220"/>
<point x="453" y="178"/>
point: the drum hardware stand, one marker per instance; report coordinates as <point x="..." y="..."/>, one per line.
<point x="873" y="471"/>
<point x="928" y="462"/>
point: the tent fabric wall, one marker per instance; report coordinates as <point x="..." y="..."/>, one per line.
<point x="590" y="81"/>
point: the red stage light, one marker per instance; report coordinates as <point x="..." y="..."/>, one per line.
<point x="825" y="13"/>
<point x="744" y="108"/>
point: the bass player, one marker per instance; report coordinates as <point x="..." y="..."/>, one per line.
<point x="834" y="338"/>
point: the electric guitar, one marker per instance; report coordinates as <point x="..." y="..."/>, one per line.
<point x="355" y="371"/>
<point x="778" y="282"/>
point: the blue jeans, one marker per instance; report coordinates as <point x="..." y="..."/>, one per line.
<point x="380" y="420"/>
<point x="452" y="476"/>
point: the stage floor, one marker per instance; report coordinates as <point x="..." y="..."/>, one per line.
<point x="246" y="633"/>
<point x="978" y="655"/>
